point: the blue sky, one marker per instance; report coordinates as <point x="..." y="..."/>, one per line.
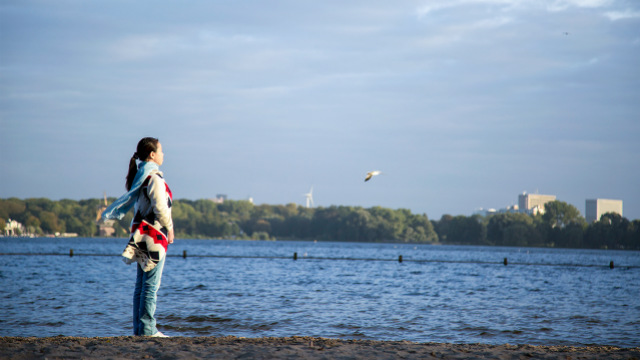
<point x="462" y="104"/>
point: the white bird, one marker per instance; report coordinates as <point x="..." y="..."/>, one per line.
<point x="371" y="174"/>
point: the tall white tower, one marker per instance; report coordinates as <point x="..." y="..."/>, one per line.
<point x="309" y="197"/>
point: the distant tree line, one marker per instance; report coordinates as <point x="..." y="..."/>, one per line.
<point x="242" y="219"/>
<point x="42" y="216"/>
<point x="231" y="220"/>
<point x="560" y="226"/>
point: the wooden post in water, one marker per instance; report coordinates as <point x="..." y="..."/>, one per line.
<point x="400" y="258"/>
<point x="295" y="256"/>
<point x="184" y="254"/>
<point x="611" y="264"/>
<point x="505" y="262"/>
<point x="70" y="252"/>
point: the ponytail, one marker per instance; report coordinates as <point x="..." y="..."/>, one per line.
<point x="133" y="170"/>
<point x="145" y="147"/>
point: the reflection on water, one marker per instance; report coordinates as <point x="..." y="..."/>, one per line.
<point x="458" y="294"/>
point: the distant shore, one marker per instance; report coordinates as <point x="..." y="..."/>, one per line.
<point x="296" y="347"/>
<point x="561" y="226"/>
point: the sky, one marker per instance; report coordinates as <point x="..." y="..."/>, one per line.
<point x="462" y="104"/>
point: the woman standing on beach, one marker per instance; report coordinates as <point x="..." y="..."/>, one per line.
<point x="151" y="229"/>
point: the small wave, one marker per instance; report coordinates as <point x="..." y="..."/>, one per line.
<point x="54" y="324"/>
<point x="486" y="334"/>
<point x="197" y="319"/>
<point x="202" y="324"/>
<point x="585" y="319"/>
<point x="356" y="335"/>
<point x="478" y="331"/>
<point x="346" y="275"/>
<point x="515" y="332"/>
<point x="199" y="330"/>
<point x="346" y="326"/>
<point x="214" y="319"/>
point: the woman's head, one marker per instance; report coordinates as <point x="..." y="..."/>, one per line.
<point x="149" y="149"/>
<point x="146" y="147"/>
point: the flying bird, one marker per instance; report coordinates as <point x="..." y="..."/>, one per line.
<point x="371" y="174"/>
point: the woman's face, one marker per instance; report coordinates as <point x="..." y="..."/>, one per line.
<point x="157" y="156"/>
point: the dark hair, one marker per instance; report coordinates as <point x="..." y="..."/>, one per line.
<point x="145" y="147"/>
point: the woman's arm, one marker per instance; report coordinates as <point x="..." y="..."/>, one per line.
<point x="158" y="196"/>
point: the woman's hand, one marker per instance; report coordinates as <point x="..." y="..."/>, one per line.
<point x="170" y="237"/>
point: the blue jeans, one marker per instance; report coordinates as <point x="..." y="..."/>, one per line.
<point x="144" y="300"/>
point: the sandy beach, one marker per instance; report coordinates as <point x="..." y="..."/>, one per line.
<point x="129" y="347"/>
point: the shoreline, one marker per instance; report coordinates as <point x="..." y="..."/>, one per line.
<point x="294" y="347"/>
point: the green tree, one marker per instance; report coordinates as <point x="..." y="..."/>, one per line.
<point x="558" y="214"/>
<point x="632" y="240"/>
<point x="609" y="232"/>
<point x="419" y="229"/>
<point x="442" y="227"/>
<point x="49" y="222"/>
<point x="513" y="229"/>
<point x="33" y="224"/>
<point x="12" y="208"/>
<point x="465" y="230"/>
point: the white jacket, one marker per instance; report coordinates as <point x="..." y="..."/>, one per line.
<point x="154" y="202"/>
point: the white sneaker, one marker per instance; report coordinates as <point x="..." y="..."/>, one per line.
<point x="158" y="334"/>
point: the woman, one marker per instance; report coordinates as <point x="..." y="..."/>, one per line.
<point x="151" y="229"/>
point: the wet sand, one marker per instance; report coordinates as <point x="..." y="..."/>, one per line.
<point x="230" y="347"/>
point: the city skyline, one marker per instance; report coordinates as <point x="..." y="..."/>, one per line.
<point x="541" y="199"/>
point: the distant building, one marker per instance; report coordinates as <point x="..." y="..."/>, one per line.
<point x="105" y="227"/>
<point x="220" y="198"/>
<point x="510" y="209"/>
<point x="594" y="208"/>
<point x="533" y="203"/>
<point x="484" y="212"/>
<point x="13" y="228"/>
<point x="487" y="212"/>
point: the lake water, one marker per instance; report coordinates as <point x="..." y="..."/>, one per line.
<point x="454" y="294"/>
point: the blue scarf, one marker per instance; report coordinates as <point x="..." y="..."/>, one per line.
<point x="120" y="207"/>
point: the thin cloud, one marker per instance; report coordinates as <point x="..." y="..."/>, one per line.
<point x="491" y="23"/>
<point x="561" y="5"/>
<point x="434" y="6"/>
<point x="588" y="3"/>
<point x="456" y="33"/>
<point x="508" y="5"/>
<point x="622" y="15"/>
<point x="143" y="47"/>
